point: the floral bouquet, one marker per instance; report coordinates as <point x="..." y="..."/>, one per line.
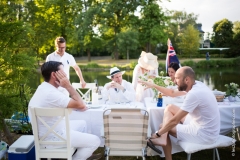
<point x="160" y="81"/>
<point x="232" y="89"/>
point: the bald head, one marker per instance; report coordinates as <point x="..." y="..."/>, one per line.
<point x="185" y="78"/>
<point x="186" y="72"/>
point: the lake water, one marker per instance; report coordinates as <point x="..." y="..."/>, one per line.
<point x="215" y="78"/>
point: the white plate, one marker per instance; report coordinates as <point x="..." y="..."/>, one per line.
<point x="94" y="106"/>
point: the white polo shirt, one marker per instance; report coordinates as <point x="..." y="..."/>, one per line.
<point x="67" y="60"/>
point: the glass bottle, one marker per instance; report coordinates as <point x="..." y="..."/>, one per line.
<point x="160" y="100"/>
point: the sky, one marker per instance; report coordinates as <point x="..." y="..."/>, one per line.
<point x="208" y="11"/>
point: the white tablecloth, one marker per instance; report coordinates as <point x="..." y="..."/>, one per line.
<point x="94" y="116"/>
<point x="229" y="114"/>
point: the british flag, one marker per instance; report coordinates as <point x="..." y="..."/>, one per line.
<point x="171" y="55"/>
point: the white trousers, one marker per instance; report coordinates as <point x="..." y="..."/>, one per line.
<point x="85" y="143"/>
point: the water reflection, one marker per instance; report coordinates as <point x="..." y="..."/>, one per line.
<point x="214" y="78"/>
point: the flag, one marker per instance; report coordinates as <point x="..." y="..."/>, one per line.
<point x="171" y="55"/>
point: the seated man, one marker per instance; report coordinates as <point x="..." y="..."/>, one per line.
<point x="47" y="95"/>
<point x="200" y="126"/>
<point x="118" y="90"/>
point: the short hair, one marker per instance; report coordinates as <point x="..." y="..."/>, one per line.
<point x="59" y="40"/>
<point x="49" y="67"/>
<point x="174" y="65"/>
<point x="188" y="72"/>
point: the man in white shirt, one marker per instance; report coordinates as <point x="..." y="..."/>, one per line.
<point x="118" y="90"/>
<point x="67" y="60"/>
<point x="197" y="120"/>
<point x="47" y="95"/>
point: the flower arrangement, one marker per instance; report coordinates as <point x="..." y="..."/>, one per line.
<point x="232" y="89"/>
<point x="160" y="81"/>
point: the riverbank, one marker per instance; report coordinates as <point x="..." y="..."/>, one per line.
<point x="108" y="61"/>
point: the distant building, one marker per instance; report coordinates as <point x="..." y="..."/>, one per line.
<point x="207" y="43"/>
<point x="201" y="35"/>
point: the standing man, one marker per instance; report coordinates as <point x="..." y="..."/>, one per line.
<point x="48" y="96"/>
<point x="118" y="90"/>
<point x="194" y="121"/>
<point x="67" y="60"/>
<point x="207" y="56"/>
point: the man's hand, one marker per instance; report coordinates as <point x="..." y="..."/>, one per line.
<point x="83" y="83"/>
<point x="62" y="79"/>
<point x="115" y="85"/>
<point x="148" y="84"/>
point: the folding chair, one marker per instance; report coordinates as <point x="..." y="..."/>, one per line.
<point x="125" y="132"/>
<point x="89" y="87"/>
<point x="36" y="120"/>
<point x="222" y="141"/>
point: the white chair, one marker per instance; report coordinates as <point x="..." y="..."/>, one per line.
<point x="89" y="87"/>
<point x="125" y="132"/>
<point x="41" y="152"/>
<point x="222" y="141"/>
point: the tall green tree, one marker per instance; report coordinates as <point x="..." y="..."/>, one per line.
<point x="127" y="42"/>
<point x="17" y="60"/>
<point x="223" y="33"/>
<point x="50" y="19"/>
<point x="114" y="16"/>
<point x="152" y="27"/>
<point x="189" y="41"/>
<point x="87" y="36"/>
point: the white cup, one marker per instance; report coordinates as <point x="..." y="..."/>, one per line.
<point x="94" y="98"/>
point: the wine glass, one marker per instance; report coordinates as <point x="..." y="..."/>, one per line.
<point x="87" y="98"/>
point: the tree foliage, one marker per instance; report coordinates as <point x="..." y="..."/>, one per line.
<point x="223" y="33"/>
<point x="178" y="24"/>
<point x="189" y="41"/>
<point x="236" y="27"/>
<point x="152" y="28"/>
<point x="114" y="16"/>
<point x="17" y="61"/>
<point x="127" y="41"/>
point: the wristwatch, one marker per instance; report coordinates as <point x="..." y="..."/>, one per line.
<point x="157" y="134"/>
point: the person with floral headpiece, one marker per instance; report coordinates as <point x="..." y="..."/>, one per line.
<point x="147" y="67"/>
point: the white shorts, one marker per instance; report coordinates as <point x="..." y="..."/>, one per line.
<point x="188" y="132"/>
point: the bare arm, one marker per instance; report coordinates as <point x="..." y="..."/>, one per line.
<point x="76" y="101"/>
<point x="165" y="91"/>
<point x="79" y="73"/>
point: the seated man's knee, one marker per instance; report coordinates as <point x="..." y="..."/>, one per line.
<point x="171" y="108"/>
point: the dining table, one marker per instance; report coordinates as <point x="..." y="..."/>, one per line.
<point x="229" y="117"/>
<point x="94" y="115"/>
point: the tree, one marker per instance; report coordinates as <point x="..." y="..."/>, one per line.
<point x="236" y="27"/>
<point x="127" y="41"/>
<point x="189" y="41"/>
<point x="114" y="16"/>
<point x="87" y="37"/>
<point x="17" y="60"/>
<point x="223" y="33"/>
<point x="152" y="25"/>
<point x="179" y="22"/>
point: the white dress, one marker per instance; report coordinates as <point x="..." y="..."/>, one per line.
<point x="140" y="92"/>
